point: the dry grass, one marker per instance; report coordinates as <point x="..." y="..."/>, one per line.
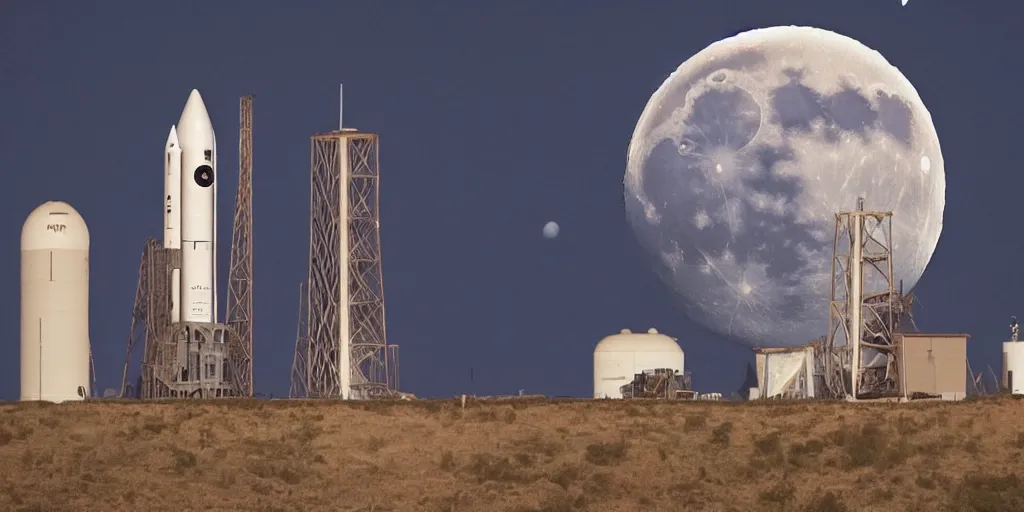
<point x="518" y="456"/>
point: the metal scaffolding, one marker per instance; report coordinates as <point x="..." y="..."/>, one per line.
<point x="300" y="364"/>
<point x="865" y="308"/>
<point x="196" y="360"/>
<point x="239" y="313"/>
<point x="343" y="352"/>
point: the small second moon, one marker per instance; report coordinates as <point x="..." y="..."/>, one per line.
<point x="551" y="230"/>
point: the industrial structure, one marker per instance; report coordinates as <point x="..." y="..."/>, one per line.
<point x="932" y="365"/>
<point x="56" y="361"/>
<point x="659" y="383"/>
<point x="341" y="349"/>
<point x="866" y="353"/>
<point x="240" y="271"/>
<point x="786" y="372"/>
<point x="1013" y="361"/>
<point x="620" y="358"/>
<point x="865" y="309"/>
<point x="186" y="351"/>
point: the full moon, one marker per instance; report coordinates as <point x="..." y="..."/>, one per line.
<point x="743" y="156"/>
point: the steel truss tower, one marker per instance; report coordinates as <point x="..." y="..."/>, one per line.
<point x="344" y="351"/>
<point x="865" y="308"/>
<point x="196" y="360"/>
<point x="239" y="313"/>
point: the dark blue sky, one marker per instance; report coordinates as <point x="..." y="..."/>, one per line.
<point x="494" y="117"/>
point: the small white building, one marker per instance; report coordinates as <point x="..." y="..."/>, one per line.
<point x="1013" y="367"/>
<point x="619" y="357"/>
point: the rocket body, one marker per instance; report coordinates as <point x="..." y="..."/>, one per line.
<point x="196" y="218"/>
<point x="172" y="191"/>
<point x="172" y="213"/>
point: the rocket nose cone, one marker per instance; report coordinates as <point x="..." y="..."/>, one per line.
<point x="194" y="106"/>
<point x="172" y="138"/>
<point x="194" y="117"/>
<point x="194" y="97"/>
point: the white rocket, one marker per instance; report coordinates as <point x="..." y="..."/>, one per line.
<point x="190" y="217"/>
<point x="172" y="213"/>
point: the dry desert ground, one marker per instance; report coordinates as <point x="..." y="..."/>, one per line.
<point x="432" y="455"/>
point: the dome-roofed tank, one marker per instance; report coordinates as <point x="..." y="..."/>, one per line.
<point x="54" y="304"/>
<point x="619" y="357"/>
<point x="54" y="225"/>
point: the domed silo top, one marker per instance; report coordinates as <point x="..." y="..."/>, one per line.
<point x="54" y="225"/>
<point x="627" y="341"/>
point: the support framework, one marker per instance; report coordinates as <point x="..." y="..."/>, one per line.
<point x="344" y="353"/>
<point x="300" y="363"/>
<point x="865" y="308"/>
<point x="239" y="314"/>
<point x="196" y="360"/>
<point x="179" y="360"/>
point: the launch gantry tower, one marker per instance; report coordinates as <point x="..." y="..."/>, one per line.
<point x="239" y="313"/>
<point x="865" y="309"/>
<point x="201" y="360"/>
<point x="342" y="351"/>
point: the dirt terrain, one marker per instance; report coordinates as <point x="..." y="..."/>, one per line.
<point x="515" y="456"/>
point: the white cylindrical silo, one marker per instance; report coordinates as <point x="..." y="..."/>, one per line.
<point x="619" y="357"/>
<point x="1013" y="366"/>
<point x="54" y="304"/>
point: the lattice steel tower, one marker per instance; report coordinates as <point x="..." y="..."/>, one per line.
<point x="343" y="352"/>
<point x="189" y="359"/>
<point x="865" y="308"/>
<point x="239" y="313"/>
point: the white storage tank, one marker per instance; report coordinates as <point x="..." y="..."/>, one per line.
<point x="54" y="304"/>
<point x="1013" y="366"/>
<point x="619" y="357"/>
